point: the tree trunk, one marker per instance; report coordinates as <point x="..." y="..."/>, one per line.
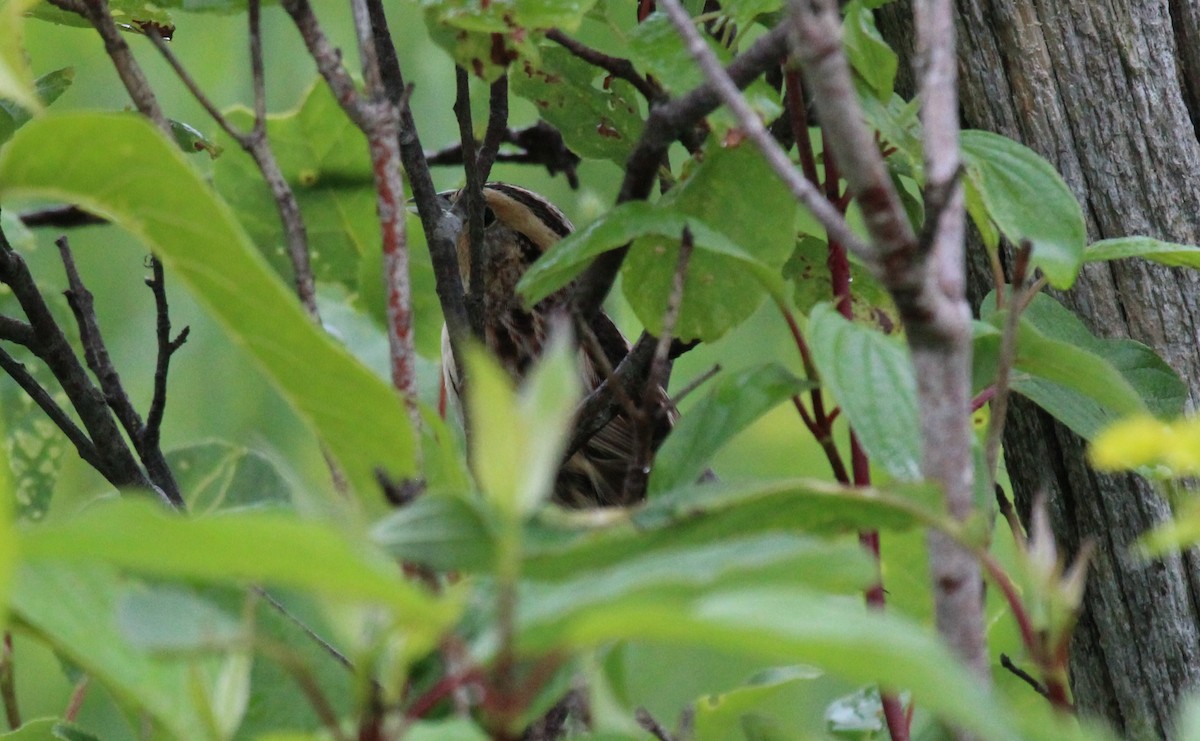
<point x="1108" y="93"/>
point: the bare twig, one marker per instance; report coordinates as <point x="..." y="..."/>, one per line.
<point x="167" y="346"/>
<point x="1024" y="676"/>
<point x="651" y="725"/>
<point x="1006" y="360"/>
<point x="540" y="144"/>
<point x="256" y="144"/>
<point x="694" y="384"/>
<point x="8" y="686"/>
<point x="473" y="193"/>
<point x="497" y="128"/>
<point x="95" y="352"/>
<point x="617" y="67"/>
<point x="87" y="451"/>
<point x="441" y="228"/>
<point x="111" y="457"/>
<point x="97" y="13"/>
<point x="60" y="217"/>
<point x="78" y="695"/>
<point x="643" y="424"/>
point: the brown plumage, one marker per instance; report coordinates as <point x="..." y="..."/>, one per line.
<point x="519" y="226"/>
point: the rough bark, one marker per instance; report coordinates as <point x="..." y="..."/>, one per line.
<point x="1107" y="91"/>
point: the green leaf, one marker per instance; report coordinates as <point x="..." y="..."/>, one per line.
<point x="87" y="635"/>
<point x="48" y="729"/>
<point x="734" y="192"/>
<point x="444" y="532"/>
<point x="120" y="167"/>
<point x="720" y="716"/>
<point x="35" y="447"/>
<point x="1084" y="381"/>
<point x="227" y="549"/>
<point x="323" y="157"/>
<point x="869" y="54"/>
<point x="788" y="625"/>
<point x="808" y="271"/>
<point x="454" y="729"/>
<point x="713" y="512"/>
<point x="1027" y="199"/>
<point x="16" y="79"/>
<point x="575" y="252"/>
<point x="191" y="140"/>
<point x="48" y="87"/>
<point x="1166" y="253"/>
<point x="871" y="378"/>
<point x="217" y="475"/>
<point x="655" y="47"/>
<point x="548" y="609"/>
<point x="597" y="122"/>
<point x="517" y="438"/>
<point x="733" y="402"/>
<point x="174" y="620"/>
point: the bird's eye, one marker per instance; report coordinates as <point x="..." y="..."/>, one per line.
<point x="489" y="217"/>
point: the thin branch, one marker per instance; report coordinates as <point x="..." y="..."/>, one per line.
<point x="622" y="69"/>
<point x="60" y="217"/>
<point x="664" y="125"/>
<point x="694" y="384"/>
<point x="97" y="13"/>
<point x="473" y="193"/>
<point x="540" y="144"/>
<point x="497" y="128"/>
<point x="803" y="190"/>
<point x="1024" y="676"/>
<point x="166" y="348"/>
<point x="87" y="451"/>
<point x="112" y="459"/>
<point x="440" y="226"/>
<point x="8" y="685"/>
<point x="95" y="352"/>
<point x="651" y="725"/>
<point x="643" y="424"/>
<point x="1005" y="361"/>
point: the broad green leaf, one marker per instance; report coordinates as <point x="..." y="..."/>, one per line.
<point x="517" y="436"/>
<point x="678" y="573"/>
<point x="597" y="122"/>
<point x="47" y="87"/>
<point x="447" y="533"/>
<point x="734" y="192"/>
<point x="711" y="513"/>
<point x="656" y="47"/>
<point x="484" y="38"/>
<point x="273" y="548"/>
<point x="323" y="157"/>
<point x="453" y="729"/>
<point x="1166" y="253"/>
<point x="720" y="717"/>
<point x="48" y="729"/>
<point x="788" y="625"/>
<point x="16" y="79"/>
<point x="34" y="446"/>
<point x="573" y="254"/>
<point x="733" y="402"/>
<point x="869" y="54"/>
<point x="1027" y="199"/>
<point x="88" y="636"/>
<point x="117" y="165"/>
<point x="871" y="378"/>
<point x="808" y="271"/>
<point x="218" y="475"/>
<point x="173" y="620"/>
<point x="1084" y="381"/>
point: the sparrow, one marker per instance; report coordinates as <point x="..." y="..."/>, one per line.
<point x="519" y="226"/>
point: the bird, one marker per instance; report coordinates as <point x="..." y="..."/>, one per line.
<point x="519" y="226"/>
